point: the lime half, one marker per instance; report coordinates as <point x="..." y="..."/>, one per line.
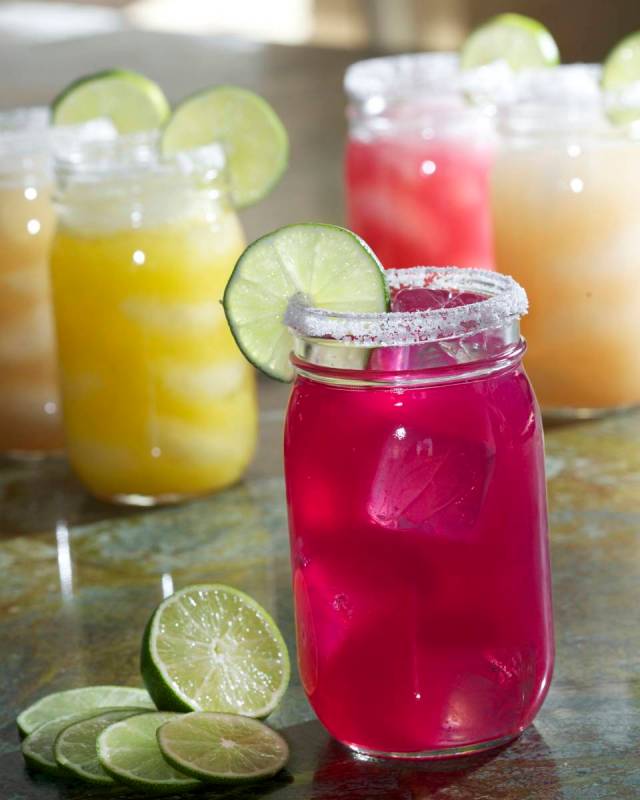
<point x="251" y="132"/>
<point x="213" y="648"/>
<point x="332" y="267"/>
<point x="80" y="701"/>
<point x="76" y="749"/>
<point x="131" y="101"/>
<point x="129" y="752"/>
<point x="223" y="748"/>
<point x="522" y="42"/>
<point x="621" y="80"/>
<point x="38" y="747"/>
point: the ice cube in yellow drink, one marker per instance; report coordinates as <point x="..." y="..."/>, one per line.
<point x="158" y="402"/>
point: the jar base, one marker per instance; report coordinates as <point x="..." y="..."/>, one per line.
<point x="558" y="415"/>
<point x="434" y="755"/>
<point x="147" y="500"/>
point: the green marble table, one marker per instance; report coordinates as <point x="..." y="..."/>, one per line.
<point x="79" y="579"/>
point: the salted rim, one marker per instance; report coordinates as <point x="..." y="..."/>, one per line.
<point x="395" y="74"/>
<point x="505" y="300"/>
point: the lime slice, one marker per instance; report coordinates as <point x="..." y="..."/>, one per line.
<point x="131" y="101"/>
<point x="38" y="747"/>
<point x="621" y="80"/>
<point x="76" y="750"/>
<point x="129" y="752"/>
<point x="222" y="748"/>
<point x="332" y="267"/>
<point x="252" y="134"/>
<point x="522" y="42"/>
<point x="213" y="648"/>
<point x="80" y="701"/>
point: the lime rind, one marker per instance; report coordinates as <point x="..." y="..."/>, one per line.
<point x="331" y="267"/>
<point x="129" y="752"/>
<point x="621" y="81"/>
<point x="212" y="647"/>
<point x="252" y="134"/>
<point x="75" y="747"/>
<point x="518" y="40"/>
<point x="222" y="748"/>
<point x="38" y="746"/>
<point x="131" y="101"/>
<point x="79" y="701"/>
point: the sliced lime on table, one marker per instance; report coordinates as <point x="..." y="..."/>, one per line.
<point x="130" y="100"/>
<point x="80" y="701"/>
<point x="129" y="752"/>
<point x="332" y="267"/>
<point x="522" y="42"/>
<point x="251" y="132"/>
<point x="223" y="748"/>
<point x="76" y="748"/>
<point x="38" y="747"/>
<point x="213" y="648"/>
<point x="621" y="80"/>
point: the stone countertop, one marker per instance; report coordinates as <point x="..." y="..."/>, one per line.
<point x="79" y="579"/>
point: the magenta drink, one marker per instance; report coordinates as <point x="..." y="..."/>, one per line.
<point x="417" y="163"/>
<point x="417" y="513"/>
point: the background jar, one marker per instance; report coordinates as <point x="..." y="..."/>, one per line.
<point x="159" y="403"/>
<point x="29" y="417"/>
<point x="417" y="162"/>
<point x="565" y="198"/>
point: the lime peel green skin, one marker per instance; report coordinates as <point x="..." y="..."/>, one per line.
<point x="548" y="46"/>
<point x="157" y="100"/>
<point x="165" y="696"/>
<point x="208" y="777"/>
<point x="237" y="270"/>
<point x="72" y="772"/>
<point x="278" y="167"/>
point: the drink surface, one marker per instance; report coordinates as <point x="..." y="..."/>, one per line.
<point x="158" y="400"/>
<point x="29" y="416"/>
<point x="419" y="550"/>
<point x="421" y="201"/>
<point x="565" y="215"/>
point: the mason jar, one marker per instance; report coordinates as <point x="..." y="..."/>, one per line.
<point x="417" y="162"/>
<point x="29" y="416"/>
<point x="417" y="515"/>
<point x="158" y="402"/>
<point x="565" y="197"/>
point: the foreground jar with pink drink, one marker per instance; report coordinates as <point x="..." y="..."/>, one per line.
<point x="417" y="514"/>
<point x="417" y="162"/>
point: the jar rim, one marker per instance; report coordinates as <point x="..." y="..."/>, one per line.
<point x="24" y="130"/>
<point x="503" y="301"/>
<point x="95" y="152"/>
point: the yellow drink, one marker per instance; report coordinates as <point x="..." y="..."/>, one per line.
<point x="29" y="419"/>
<point x="158" y="402"/>
<point x="565" y="197"/>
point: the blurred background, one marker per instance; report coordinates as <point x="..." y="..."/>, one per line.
<point x="584" y="29"/>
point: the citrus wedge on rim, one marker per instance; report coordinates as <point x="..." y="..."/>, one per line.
<point x="330" y="266"/>
<point x="621" y="80"/>
<point x="130" y="100"/>
<point x="254" y="138"/>
<point x="520" y="41"/>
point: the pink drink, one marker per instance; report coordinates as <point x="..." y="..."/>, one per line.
<point x="418" y="527"/>
<point x="417" y="201"/>
<point x="417" y="163"/>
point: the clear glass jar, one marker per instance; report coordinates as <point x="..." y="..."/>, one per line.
<point x="417" y="162"/>
<point x="159" y="404"/>
<point x="565" y="194"/>
<point x="417" y="514"/>
<point x="30" y="424"/>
